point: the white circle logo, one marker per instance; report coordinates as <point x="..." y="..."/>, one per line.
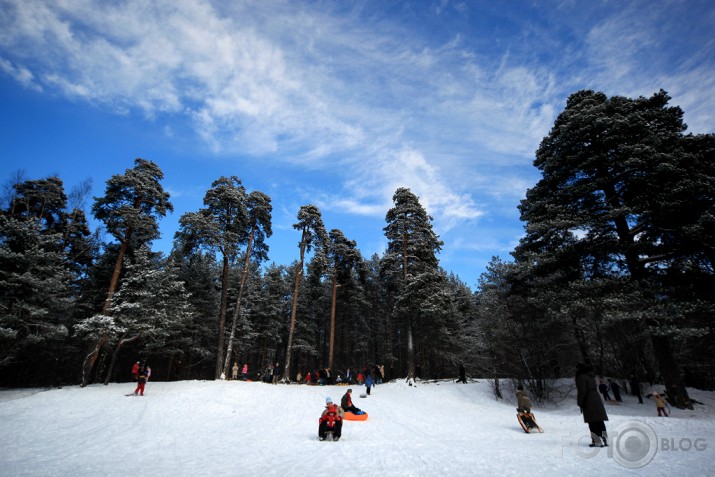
<point x="635" y="446"/>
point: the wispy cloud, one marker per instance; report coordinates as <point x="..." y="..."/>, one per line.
<point x="368" y="97"/>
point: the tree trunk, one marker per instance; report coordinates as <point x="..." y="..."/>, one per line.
<point x="122" y="342"/>
<point x="411" y="368"/>
<point x="239" y="300"/>
<point x="294" y="309"/>
<point x="332" y="321"/>
<point x="581" y="341"/>
<point x="670" y="370"/>
<point x="222" y="317"/>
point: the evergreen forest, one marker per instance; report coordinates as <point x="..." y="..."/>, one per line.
<point x="615" y="269"/>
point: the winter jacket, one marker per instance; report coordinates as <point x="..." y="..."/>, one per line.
<point x="332" y="413"/>
<point x="588" y="398"/>
<point x="142" y="376"/>
<point x="659" y="401"/>
<point x="523" y="401"/>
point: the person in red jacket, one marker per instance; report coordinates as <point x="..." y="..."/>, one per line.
<point x="330" y="421"/>
<point x="141" y="381"/>
<point x="135" y="370"/>
<point x="347" y="403"/>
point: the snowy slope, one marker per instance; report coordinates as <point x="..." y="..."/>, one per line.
<point x="212" y="428"/>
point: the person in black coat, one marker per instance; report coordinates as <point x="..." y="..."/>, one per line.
<point x="462" y="374"/>
<point x="594" y="413"/>
<point x="616" y="390"/>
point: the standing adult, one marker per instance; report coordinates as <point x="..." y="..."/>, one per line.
<point x="603" y="389"/>
<point x="369" y="383"/>
<point x="592" y="408"/>
<point x="636" y="387"/>
<point x="462" y="374"/>
<point x="616" y="390"/>
<point x="276" y="373"/>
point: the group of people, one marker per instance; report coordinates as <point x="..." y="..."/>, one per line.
<point x="141" y="373"/>
<point x="591" y="404"/>
<point x="613" y="387"/>
<point x="331" y="420"/>
<point x="244" y="371"/>
<point x="370" y="376"/>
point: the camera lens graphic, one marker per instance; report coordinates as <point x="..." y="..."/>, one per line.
<point x="635" y="445"/>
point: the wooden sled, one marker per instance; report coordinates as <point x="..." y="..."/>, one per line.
<point x="349" y="416"/>
<point x="524" y="418"/>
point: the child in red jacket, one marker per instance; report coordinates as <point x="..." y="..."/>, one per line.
<point x="330" y="421"/>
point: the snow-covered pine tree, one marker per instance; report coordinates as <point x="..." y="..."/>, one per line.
<point x="220" y="227"/>
<point x="258" y="228"/>
<point x="130" y="207"/>
<point x="616" y="200"/>
<point x="342" y="258"/>
<point x="410" y="263"/>
<point x="312" y="235"/>
<point x="151" y="305"/>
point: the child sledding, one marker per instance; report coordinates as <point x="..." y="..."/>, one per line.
<point x="524" y="416"/>
<point x="330" y="423"/>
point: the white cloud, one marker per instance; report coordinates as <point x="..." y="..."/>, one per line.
<point x="369" y="98"/>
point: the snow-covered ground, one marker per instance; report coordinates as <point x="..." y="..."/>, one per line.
<point x="219" y="428"/>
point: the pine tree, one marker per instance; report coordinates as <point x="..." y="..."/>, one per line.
<point x="343" y="257"/>
<point x="130" y="208"/>
<point x="606" y="165"/>
<point x="312" y="234"/>
<point x="221" y="227"/>
<point x="258" y="228"/>
<point x="151" y="305"/>
<point x="410" y="262"/>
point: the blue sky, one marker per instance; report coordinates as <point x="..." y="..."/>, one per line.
<point x="334" y="103"/>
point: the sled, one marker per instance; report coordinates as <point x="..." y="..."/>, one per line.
<point x="528" y="422"/>
<point x="363" y="395"/>
<point x="329" y="437"/>
<point x="350" y="416"/>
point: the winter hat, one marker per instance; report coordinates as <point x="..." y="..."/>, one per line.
<point x="328" y="400"/>
<point x="350" y="390"/>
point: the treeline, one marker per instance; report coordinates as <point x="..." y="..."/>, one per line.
<point x="615" y="270"/>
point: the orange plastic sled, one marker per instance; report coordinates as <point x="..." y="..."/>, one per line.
<point x="349" y="416"/>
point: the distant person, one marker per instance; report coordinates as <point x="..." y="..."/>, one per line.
<point x="135" y="370"/>
<point x="591" y="405"/>
<point x="276" y="373"/>
<point x="331" y="420"/>
<point x="244" y="372"/>
<point x="616" y="390"/>
<point x="462" y="374"/>
<point x="660" y="404"/>
<point x="369" y="383"/>
<point x="636" y="388"/>
<point x="148" y="373"/>
<point x="347" y="403"/>
<point x="141" y="381"/>
<point x="234" y="371"/>
<point x="522" y="400"/>
<point x="603" y="389"/>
